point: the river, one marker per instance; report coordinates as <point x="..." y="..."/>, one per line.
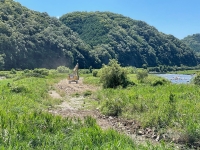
<point x="177" y="78"/>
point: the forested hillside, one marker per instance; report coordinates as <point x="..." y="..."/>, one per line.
<point x="132" y="42"/>
<point x="29" y="39"/>
<point x="193" y="41"/>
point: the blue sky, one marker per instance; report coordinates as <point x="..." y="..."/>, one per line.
<point x="177" y="17"/>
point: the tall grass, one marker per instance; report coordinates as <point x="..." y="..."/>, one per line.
<point x="166" y="107"/>
<point x="25" y="124"/>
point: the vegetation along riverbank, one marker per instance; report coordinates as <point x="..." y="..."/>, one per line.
<point x="168" y="112"/>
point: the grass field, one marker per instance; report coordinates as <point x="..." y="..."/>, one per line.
<point x="170" y="108"/>
<point x="26" y="124"/>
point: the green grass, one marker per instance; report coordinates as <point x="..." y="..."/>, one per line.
<point x="166" y="107"/>
<point x="90" y="79"/>
<point x="26" y="124"/>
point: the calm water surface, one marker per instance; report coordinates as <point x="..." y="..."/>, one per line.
<point x="177" y="78"/>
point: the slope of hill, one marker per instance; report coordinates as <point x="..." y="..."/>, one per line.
<point x="29" y="39"/>
<point x="132" y="42"/>
<point x="193" y="41"/>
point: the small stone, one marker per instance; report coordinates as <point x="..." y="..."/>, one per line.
<point x="158" y="138"/>
<point x="140" y="132"/>
<point x="110" y="117"/>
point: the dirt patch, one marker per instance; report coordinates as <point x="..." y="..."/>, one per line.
<point x="54" y="94"/>
<point x="73" y="88"/>
<point x="75" y="107"/>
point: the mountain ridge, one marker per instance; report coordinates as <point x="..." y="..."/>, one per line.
<point x="193" y="41"/>
<point x="30" y="39"/>
<point x="129" y="37"/>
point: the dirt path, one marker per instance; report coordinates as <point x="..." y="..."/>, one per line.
<point x="74" y="106"/>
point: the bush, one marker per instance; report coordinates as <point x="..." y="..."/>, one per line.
<point x="26" y="71"/>
<point x="90" y="69"/>
<point x="94" y="73"/>
<point x="84" y="71"/>
<point x="113" y="75"/>
<point x="112" y="107"/>
<point x="13" y="71"/>
<point x="63" y="69"/>
<point x="42" y="71"/>
<point x="141" y="75"/>
<point x="87" y="93"/>
<point x="197" y="79"/>
<point x="159" y="82"/>
<point x="131" y="70"/>
<point x="18" y="89"/>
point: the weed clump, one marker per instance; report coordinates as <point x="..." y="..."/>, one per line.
<point x="18" y="89"/>
<point x="112" y="107"/>
<point x="87" y="93"/>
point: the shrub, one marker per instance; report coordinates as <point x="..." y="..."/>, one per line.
<point x="13" y="71"/>
<point x="113" y="75"/>
<point x="112" y="107"/>
<point x="41" y="71"/>
<point x="87" y="93"/>
<point x="63" y="69"/>
<point x="141" y="75"/>
<point x="33" y="74"/>
<point x="159" y="82"/>
<point x="197" y="79"/>
<point x="26" y="71"/>
<point x="192" y="133"/>
<point x="18" y="89"/>
<point x="84" y="71"/>
<point x="131" y="70"/>
<point x="94" y="73"/>
<point x="90" y="69"/>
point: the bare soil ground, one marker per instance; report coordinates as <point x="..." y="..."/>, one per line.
<point x="73" y="106"/>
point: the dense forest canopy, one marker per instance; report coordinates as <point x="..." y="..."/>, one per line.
<point x="193" y="41"/>
<point x="130" y="41"/>
<point x="29" y="39"/>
